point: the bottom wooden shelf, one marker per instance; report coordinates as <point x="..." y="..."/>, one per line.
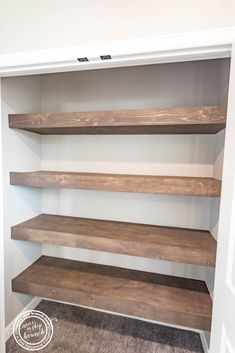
<point x="168" y="299"/>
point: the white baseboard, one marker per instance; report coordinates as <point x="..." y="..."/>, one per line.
<point x="30" y="306"/>
<point x="129" y="316"/>
<point x="204" y="342"/>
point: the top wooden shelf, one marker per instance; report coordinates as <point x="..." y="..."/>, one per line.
<point x="183" y="120"/>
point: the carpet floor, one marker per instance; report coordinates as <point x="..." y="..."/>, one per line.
<point x="79" y="330"/>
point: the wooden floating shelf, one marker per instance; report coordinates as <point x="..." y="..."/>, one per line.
<point x="153" y="184"/>
<point x="149" y="241"/>
<point x="183" y="120"/>
<point x="168" y="299"/>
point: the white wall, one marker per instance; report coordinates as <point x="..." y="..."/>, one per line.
<point x="21" y="152"/>
<point x="191" y="83"/>
<point x="40" y="24"/>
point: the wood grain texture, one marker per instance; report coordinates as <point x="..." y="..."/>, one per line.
<point x="182" y="120"/>
<point x="151" y="296"/>
<point x="149" y="241"/>
<point x="153" y="184"/>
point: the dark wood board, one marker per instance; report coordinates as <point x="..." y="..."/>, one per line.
<point x="169" y="299"/>
<point x="154" y="184"/>
<point x="165" y="243"/>
<point x="181" y="120"/>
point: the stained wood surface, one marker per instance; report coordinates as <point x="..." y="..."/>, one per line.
<point x="153" y="184"/>
<point x="151" y="296"/>
<point x="149" y="241"/>
<point x="182" y="120"/>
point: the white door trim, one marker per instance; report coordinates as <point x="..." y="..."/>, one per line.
<point x="2" y="282"/>
<point x="200" y="45"/>
<point x="222" y="334"/>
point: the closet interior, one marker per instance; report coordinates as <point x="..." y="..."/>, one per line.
<point x="112" y="182"/>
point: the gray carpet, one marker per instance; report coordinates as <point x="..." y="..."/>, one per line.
<point x="79" y="330"/>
